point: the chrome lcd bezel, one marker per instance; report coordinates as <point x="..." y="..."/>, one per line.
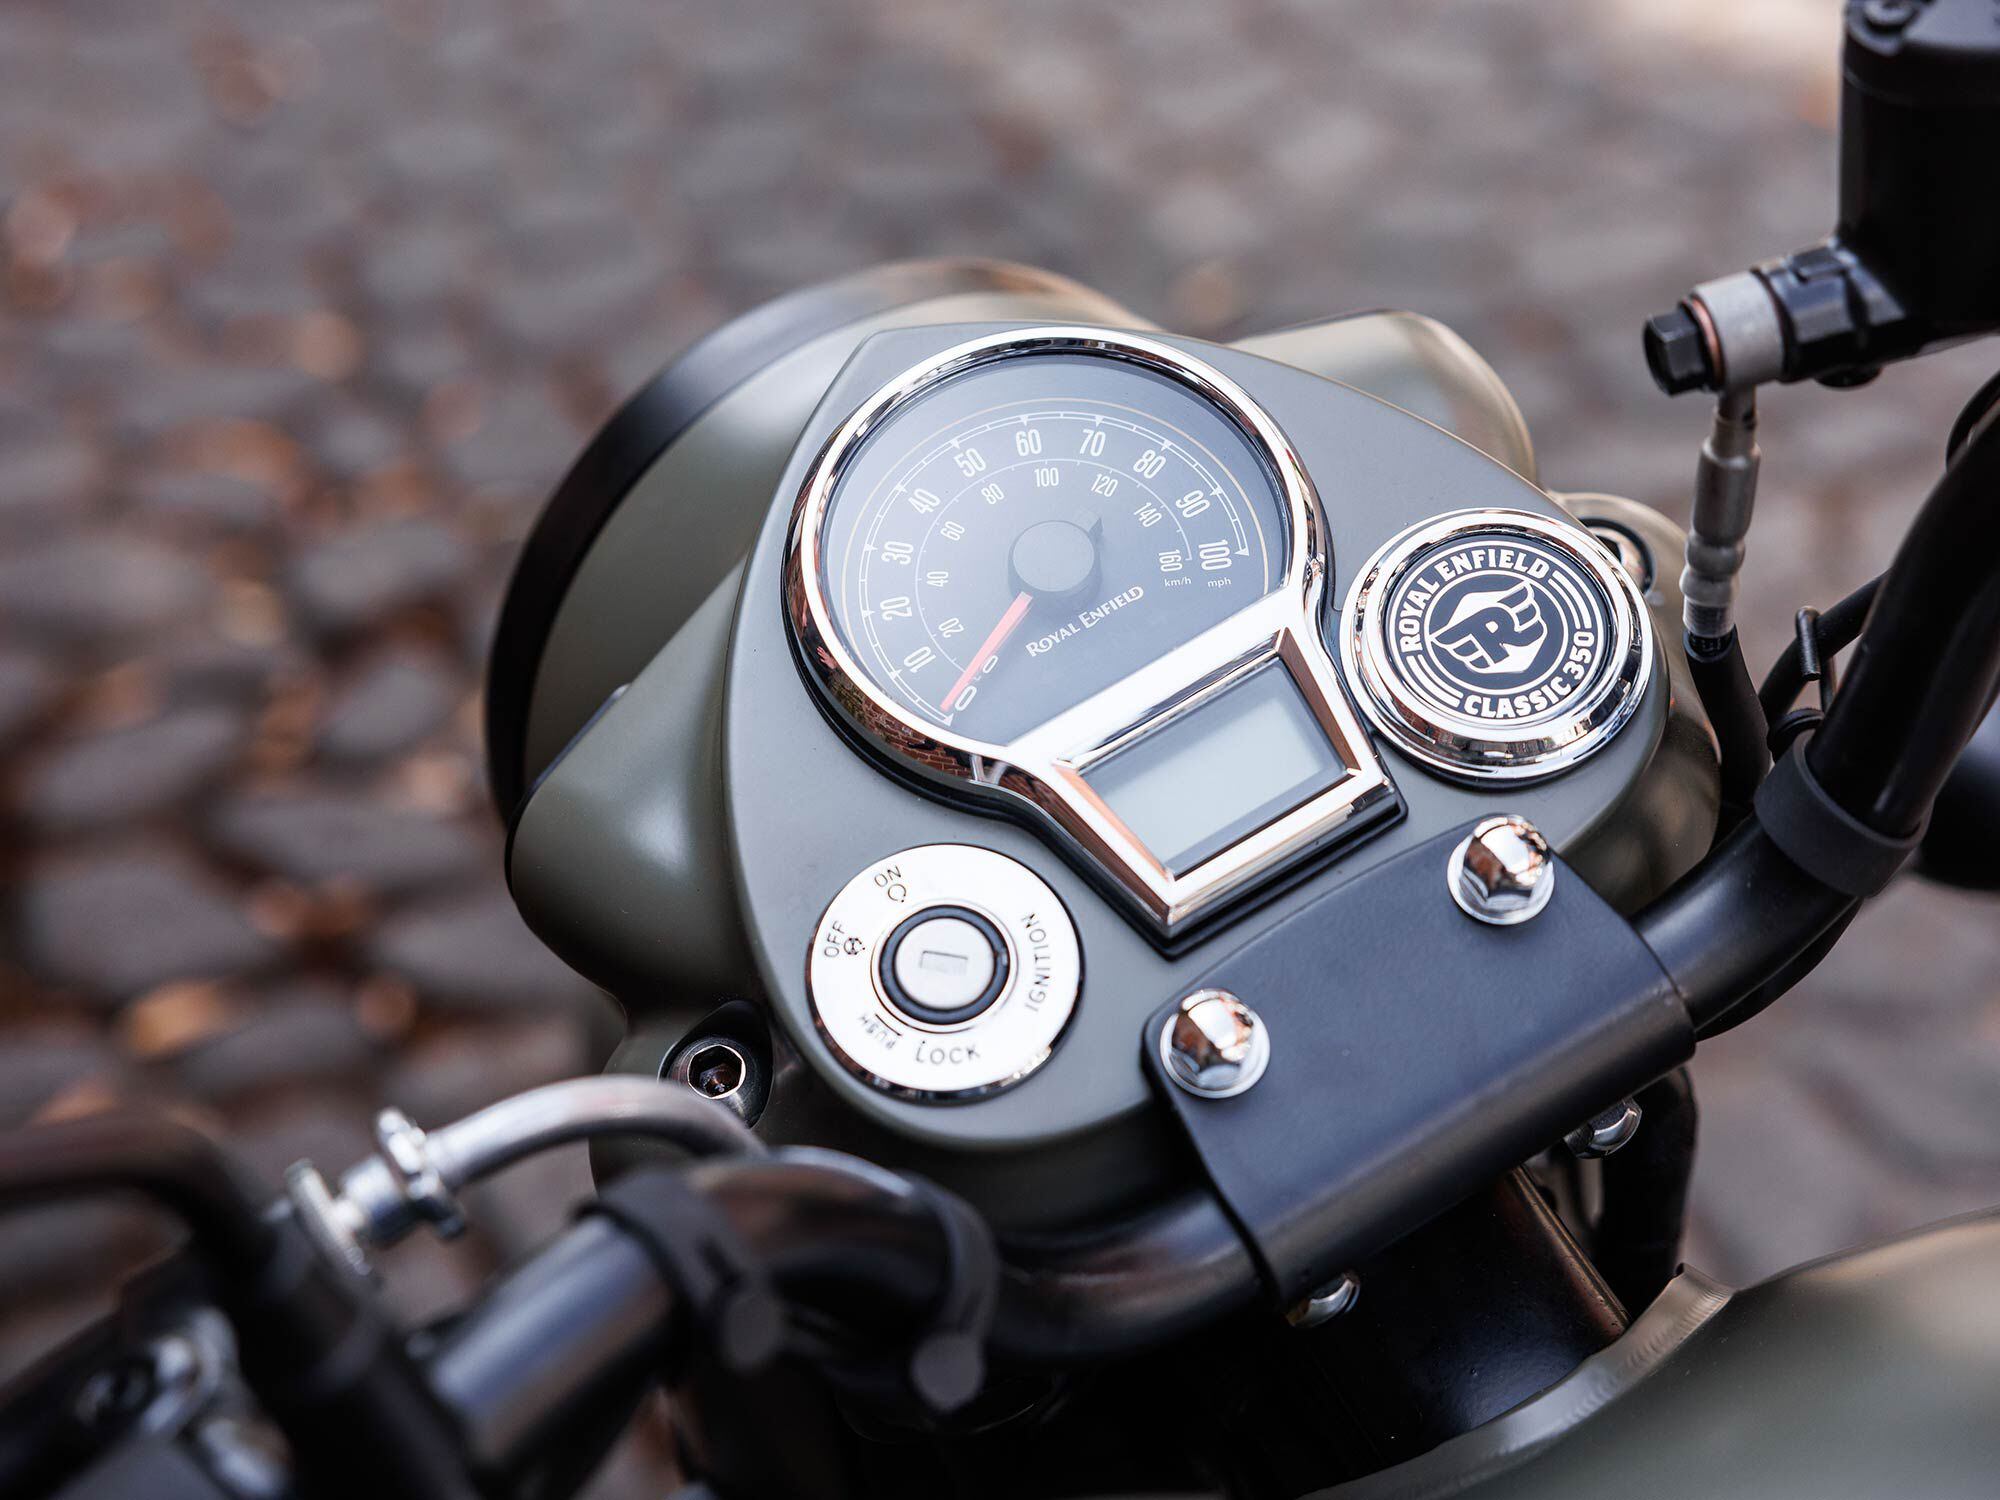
<point x="1044" y="769"/>
<point x="1471" y="750"/>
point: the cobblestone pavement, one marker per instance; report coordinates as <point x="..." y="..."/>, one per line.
<point x="307" y="302"/>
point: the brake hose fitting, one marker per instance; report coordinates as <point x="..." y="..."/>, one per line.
<point x="1725" y="494"/>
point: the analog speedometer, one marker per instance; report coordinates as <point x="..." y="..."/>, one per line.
<point x="1080" y="572"/>
<point x="1012" y="545"/>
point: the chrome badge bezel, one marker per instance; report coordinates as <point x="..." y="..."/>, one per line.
<point x="1042" y="771"/>
<point x="1420" y="720"/>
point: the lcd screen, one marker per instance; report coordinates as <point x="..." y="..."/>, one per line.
<point x="1219" y="772"/>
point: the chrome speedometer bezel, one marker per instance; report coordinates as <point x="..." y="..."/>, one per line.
<point x="1044" y="768"/>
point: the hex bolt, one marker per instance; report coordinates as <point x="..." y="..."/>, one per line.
<point x="1677" y="352"/>
<point x="1326" y="1304"/>
<point x="1214" y="1046"/>
<point x="1606" y="1131"/>
<point x="716" y="1068"/>
<point x="1502" y="872"/>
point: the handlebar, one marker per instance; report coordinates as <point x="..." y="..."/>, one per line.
<point x="575" y="1329"/>
<point x="1926" y="666"/>
<point x="326" y="1359"/>
<point x="860" y="1256"/>
<point x="1922" y="677"/>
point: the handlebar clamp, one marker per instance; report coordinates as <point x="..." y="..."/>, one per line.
<point x="1819" y="836"/>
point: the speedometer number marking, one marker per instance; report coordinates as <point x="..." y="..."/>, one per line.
<point x="1078" y="563"/>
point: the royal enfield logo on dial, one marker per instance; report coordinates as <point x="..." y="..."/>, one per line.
<point x="1497" y="643"/>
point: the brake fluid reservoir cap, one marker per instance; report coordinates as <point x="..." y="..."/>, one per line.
<point x="944" y="973"/>
<point x="1496" y="644"/>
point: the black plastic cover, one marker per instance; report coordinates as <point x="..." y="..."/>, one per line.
<point x="1415" y="1055"/>
<point x="1934" y="54"/>
<point x="1919" y="181"/>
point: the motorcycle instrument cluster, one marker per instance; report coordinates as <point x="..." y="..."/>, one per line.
<point x="1104" y="839"/>
<point x="960" y="671"/>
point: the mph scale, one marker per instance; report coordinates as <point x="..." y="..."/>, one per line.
<point x="1076" y="575"/>
<point x="1026" y="556"/>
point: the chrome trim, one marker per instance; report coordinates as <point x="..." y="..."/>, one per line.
<point x="1474" y="750"/>
<point x="1043" y="768"/>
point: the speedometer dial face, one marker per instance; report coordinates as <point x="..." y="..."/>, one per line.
<point x="1076" y="574"/>
<point x="1031" y="531"/>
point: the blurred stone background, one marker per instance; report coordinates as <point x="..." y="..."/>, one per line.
<point x="304" y="304"/>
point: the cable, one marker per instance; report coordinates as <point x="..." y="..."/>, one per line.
<point x="1722" y="681"/>
<point x="580" y="1109"/>
<point x="1835" y="629"/>
<point x="417" y="1174"/>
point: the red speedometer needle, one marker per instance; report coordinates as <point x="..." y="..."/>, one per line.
<point x="995" y="639"/>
